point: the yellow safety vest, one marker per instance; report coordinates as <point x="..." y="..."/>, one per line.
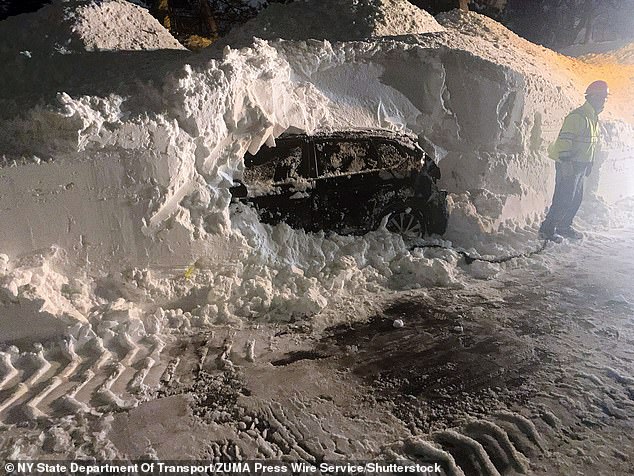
<point x="579" y="136"/>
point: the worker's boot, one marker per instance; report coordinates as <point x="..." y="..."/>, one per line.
<point x="547" y="233"/>
<point x="570" y="233"/>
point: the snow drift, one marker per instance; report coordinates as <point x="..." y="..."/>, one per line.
<point x="335" y="20"/>
<point x="621" y="55"/>
<point x="76" y="26"/>
<point x="128" y="167"/>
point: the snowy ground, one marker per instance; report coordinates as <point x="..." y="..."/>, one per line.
<point x="536" y="365"/>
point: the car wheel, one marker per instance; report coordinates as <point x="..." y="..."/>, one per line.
<point x="407" y="222"/>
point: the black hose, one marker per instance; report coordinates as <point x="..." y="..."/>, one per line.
<point x="503" y="259"/>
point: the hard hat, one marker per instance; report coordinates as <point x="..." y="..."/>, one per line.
<point x="598" y="88"/>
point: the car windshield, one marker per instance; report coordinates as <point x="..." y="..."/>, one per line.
<point x="349" y="157"/>
<point x="345" y="157"/>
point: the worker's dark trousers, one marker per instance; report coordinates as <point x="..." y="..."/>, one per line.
<point x="568" y="194"/>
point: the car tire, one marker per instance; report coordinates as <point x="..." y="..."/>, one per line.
<point x="408" y="222"/>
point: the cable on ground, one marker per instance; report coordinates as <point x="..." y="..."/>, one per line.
<point x="503" y="259"/>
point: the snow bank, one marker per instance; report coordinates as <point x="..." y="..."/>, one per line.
<point x="79" y="47"/>
<point x="335" y="20"/>
<point x="174" y="158"/>
<point x="136" y="29"/>
<point x="593" y="48"/>
<point x="622" y="55"/>
<point x="131" y="169"/>
<point x="72" y="26"/>
<point x="36" y="301"/>
<point x="143" y="189"/>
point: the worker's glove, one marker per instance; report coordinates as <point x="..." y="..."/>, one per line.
<point x="589" y="169"/>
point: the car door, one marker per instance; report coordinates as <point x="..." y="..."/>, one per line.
<point x="344" y="184"/>
<point x="279" y="184"/>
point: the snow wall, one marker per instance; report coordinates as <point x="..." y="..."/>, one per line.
<point x="121" y="162"/>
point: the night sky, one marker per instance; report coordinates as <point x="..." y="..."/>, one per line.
<point x="15" y="7"/>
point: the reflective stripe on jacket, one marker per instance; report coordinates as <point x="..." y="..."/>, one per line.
<point x="579" y="136"/>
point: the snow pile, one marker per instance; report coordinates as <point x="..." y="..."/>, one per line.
<point x="489" y="39"/>
<point x="36" y="301"/>
<point x="582" y="51"/>
<point x="624" y="55"/>
<point x="273" y="272"/>
<point x="79" y="47"/>
<point x="136" y="28"/>
<point x="279" y="275"/>
<point x="335" y="20"/>
<point x="612" y="52"/>
<point x="131" y="181"/>
<point x="73" y="26"/>
<point x="283" y="275"/>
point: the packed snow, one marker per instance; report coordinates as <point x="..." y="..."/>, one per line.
<point x="621" y="54"/>
<point x="76" y="26"/>
<point x="335" y="20"/>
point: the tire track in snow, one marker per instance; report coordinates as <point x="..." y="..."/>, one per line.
<point x="68" y="380"/>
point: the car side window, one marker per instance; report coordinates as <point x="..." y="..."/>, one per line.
<point x="344" y="157"/>
<point x="274" y="164"/>
<point x="288" y="166"/>
<point x="263" y="172"/>
<point x="389" y="154"/>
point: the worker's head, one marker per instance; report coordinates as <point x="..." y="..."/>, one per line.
<point x="596" y="94"/>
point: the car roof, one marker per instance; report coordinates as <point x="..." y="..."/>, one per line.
<point x="408" y="140"/>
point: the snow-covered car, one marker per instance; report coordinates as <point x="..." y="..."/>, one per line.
<point x="346" y="182"/>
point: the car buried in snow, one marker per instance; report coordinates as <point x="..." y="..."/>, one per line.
<point x="345" y="182"/>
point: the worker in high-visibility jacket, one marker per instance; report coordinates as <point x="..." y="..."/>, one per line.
<point x="574" y="152"/>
